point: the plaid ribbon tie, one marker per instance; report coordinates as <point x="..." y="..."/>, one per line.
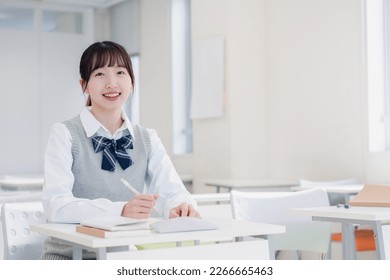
<point x="113" y="150"/>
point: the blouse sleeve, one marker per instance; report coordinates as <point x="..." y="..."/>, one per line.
<point x="163" y="179"/>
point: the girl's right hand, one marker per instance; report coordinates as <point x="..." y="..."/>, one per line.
<point x="140" y="206"/>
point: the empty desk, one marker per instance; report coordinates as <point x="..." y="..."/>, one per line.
<point x="374" y="216"/>
<point x="21" y="183"/>
<point x="263" y="184"/>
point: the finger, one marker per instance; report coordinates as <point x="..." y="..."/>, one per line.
<point x="145" y="197"/>
<point x="192" y="212"/>
<point x="173" y="214"/>
<point x="144" y="201"/>
<point x="183" y="209"/>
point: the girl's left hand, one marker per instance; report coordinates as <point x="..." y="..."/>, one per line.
<point x="183" y="210"/>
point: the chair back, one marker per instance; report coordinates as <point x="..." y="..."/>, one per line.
<point x="20" y="243"/>
<point x="302" y="234"/>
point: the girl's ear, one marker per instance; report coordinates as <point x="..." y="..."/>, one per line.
<point x="84" y="89"/>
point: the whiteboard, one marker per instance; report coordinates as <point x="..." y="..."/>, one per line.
<point x="207" y="78"/>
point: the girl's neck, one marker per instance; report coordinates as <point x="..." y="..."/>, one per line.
<point x="112" y="120"/>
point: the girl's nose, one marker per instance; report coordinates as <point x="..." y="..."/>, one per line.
<point x="111" y="81"/>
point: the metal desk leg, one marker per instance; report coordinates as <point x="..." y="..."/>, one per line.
<point x="378" y="235"/>
<point x="101" y="254"/>
<point x="77" y="253"/>
<point x="348" y="244"/>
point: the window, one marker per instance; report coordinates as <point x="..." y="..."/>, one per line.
<point x="378" y="73"/>
<point x="62" y="21"/>
<point x="16" y="18"/>
<point x="131" y="106"/>
<point x="181" y="77"/>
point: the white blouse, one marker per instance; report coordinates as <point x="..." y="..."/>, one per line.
<point x="58" y="200"/>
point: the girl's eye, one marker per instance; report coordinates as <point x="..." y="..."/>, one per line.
<point x="99" y="74"/>
<point x="121" y="72"/>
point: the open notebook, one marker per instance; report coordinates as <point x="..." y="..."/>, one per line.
<point x="115" y="227"/>
<point x="372" y="195"/>
<point x="117" y="223"/>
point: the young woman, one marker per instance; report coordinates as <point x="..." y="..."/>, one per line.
<point x="87" y="156"/>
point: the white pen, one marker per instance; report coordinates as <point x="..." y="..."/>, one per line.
<point x="130" y="187"/>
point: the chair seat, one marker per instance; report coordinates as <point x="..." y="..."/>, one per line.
<point x="364" y="239"/>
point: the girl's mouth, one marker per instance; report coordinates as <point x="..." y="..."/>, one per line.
<point x="111" y="95"/>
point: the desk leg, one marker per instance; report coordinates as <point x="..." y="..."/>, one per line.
<point x="271" y="248"/>
<point x="348" y="244"/>
<point x="378" y="235"/>
<point x="101" y="254"/>
<point x="77" y="253"/>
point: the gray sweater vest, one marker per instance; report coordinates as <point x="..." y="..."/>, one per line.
<point x="92" y="182"/>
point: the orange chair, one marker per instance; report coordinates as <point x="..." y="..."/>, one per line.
<point x="364" y="239"/>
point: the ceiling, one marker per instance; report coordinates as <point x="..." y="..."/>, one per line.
<point x="87" y="3"/>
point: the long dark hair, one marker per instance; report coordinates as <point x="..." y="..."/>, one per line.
<point x="101" y="54"/>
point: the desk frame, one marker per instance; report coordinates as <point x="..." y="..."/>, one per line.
<point x="264" y="184"/>
<point x="229" y="230"/>
<point x="373" y="216"/>
<point x="348" y="243"/>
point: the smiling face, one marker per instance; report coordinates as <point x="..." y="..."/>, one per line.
<point x="106" y="75"/>
<point x="109" y="87"/>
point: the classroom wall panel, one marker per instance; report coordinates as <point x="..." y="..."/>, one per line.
<point x="40" y="86"/>
<point x="20" y="102"/>
<point x="316" y="102"/>
<point x="294" y="97"/>
<point x="155" y="69"/>
<point x="61" y="94"/>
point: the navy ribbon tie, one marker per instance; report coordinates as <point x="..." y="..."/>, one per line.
<point x="113" y="150"/>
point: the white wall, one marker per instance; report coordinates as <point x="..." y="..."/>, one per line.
<point x="125" y="25"/>
<point x="20" y="147"/>
<point x="155" y="69"/>
<point x="40" y="86"/>
<point x="316" y="102"/>
<point x="234" y="145"/>
<point x="295" y="99"/>
<point x="211" y="141"/>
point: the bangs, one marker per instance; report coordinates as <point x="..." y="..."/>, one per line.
<point x="109" y="57"/>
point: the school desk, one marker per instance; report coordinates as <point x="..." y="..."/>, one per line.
<point x="229" y="229"/>
<point x="12" y="183"/>
<point x="211" y="197"/>
<point x="377" y="217"/>
<point x="344" y="191"/>
<point x="263" y="184"/>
